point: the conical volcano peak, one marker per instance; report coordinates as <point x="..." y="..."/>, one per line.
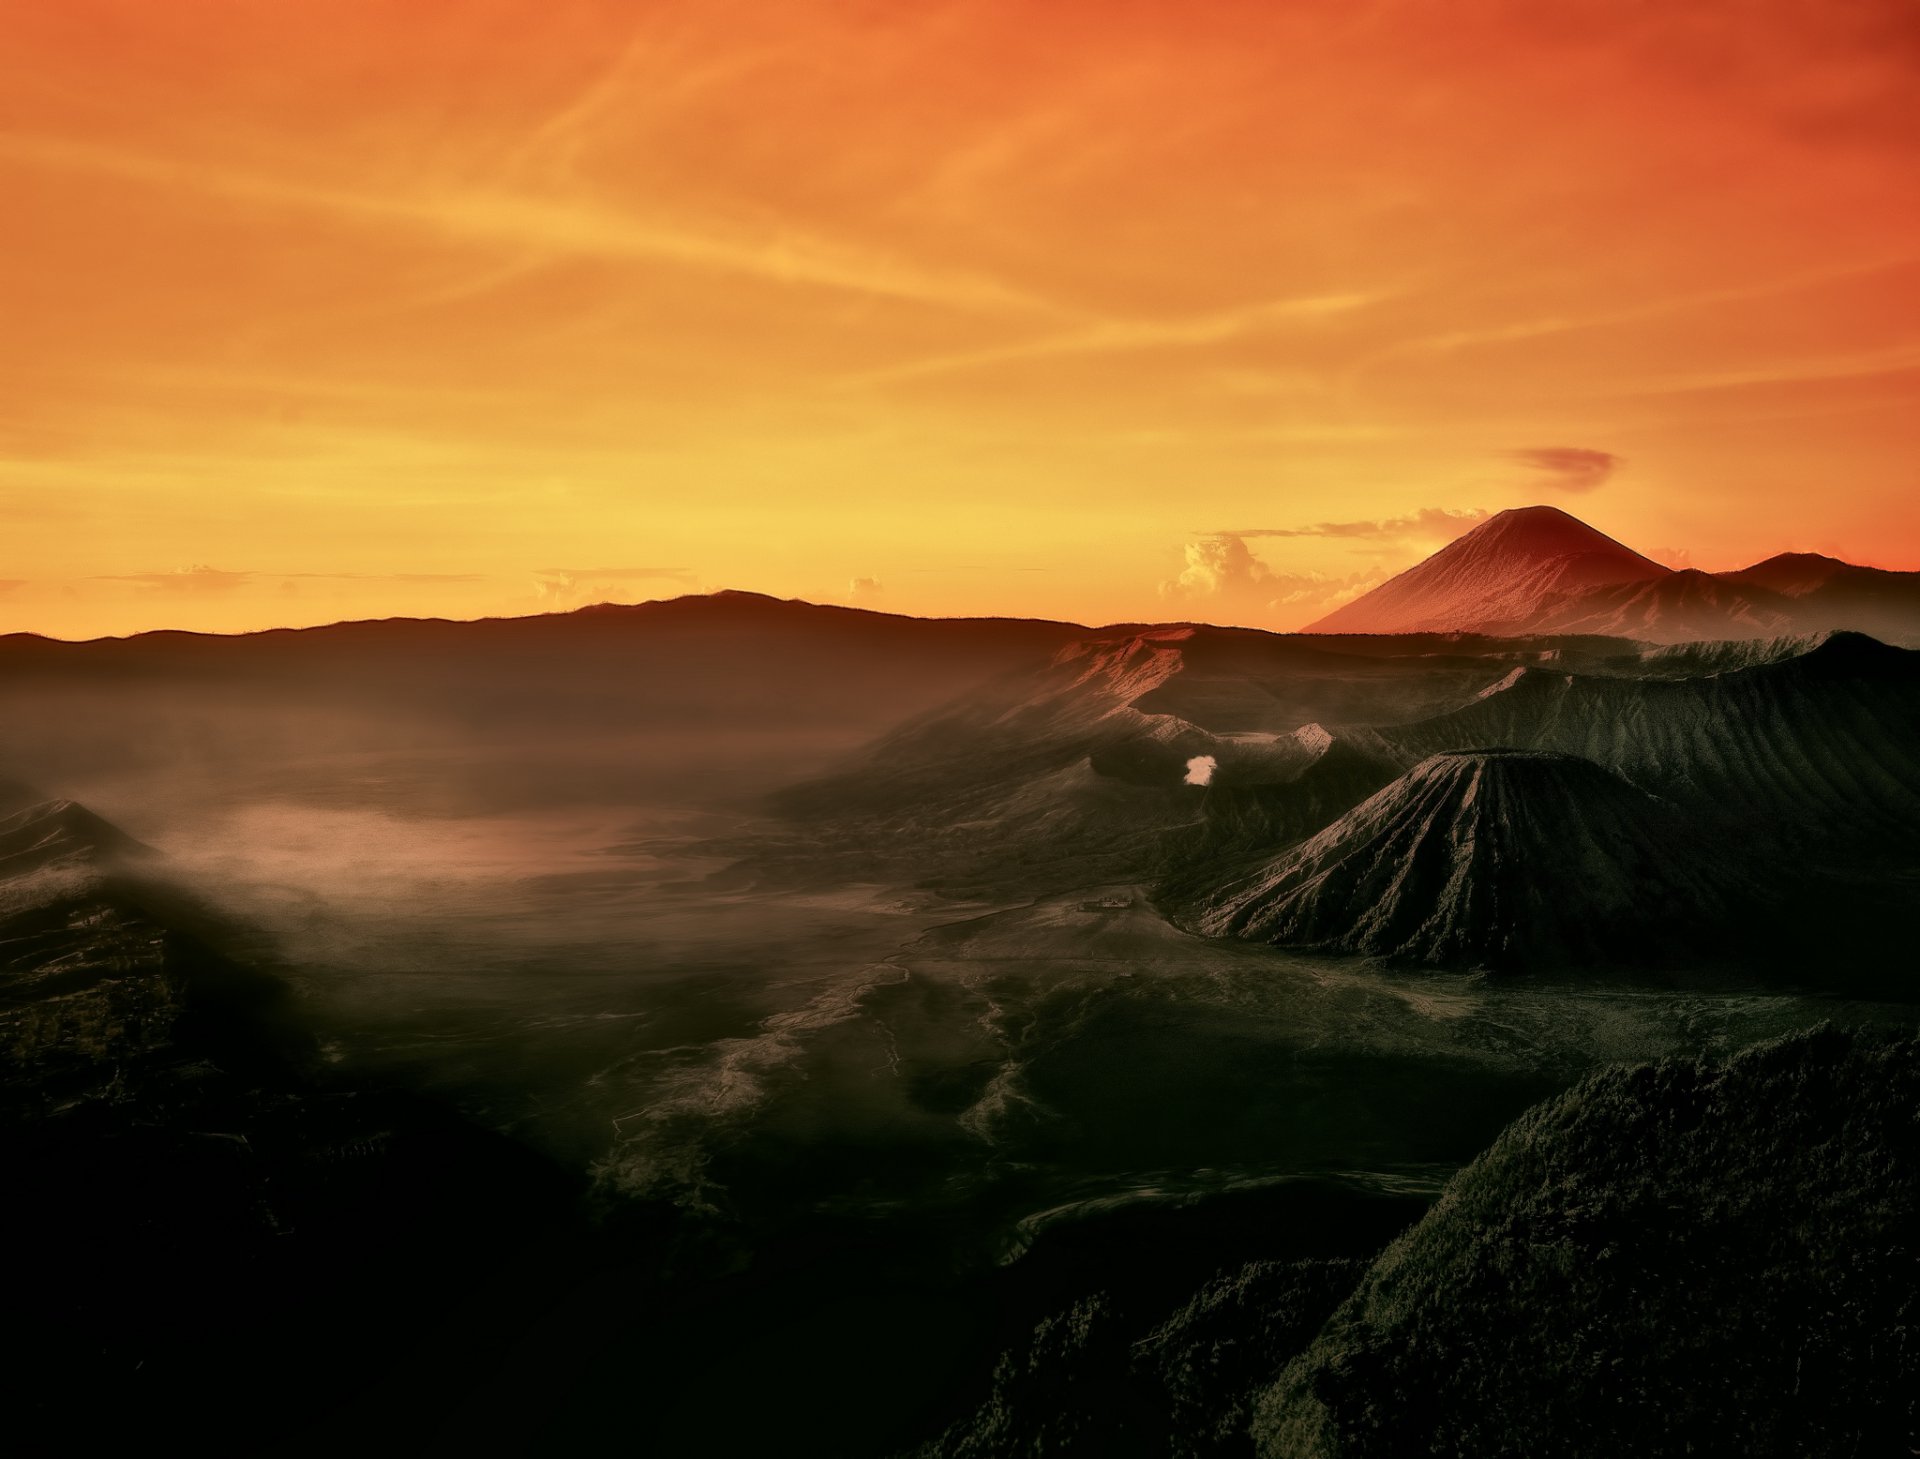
<point x="1543" y="529"/>
<point x="1496" y="577"/>
<point x="1496" y="858"/>
<point x="1476" y="783"/>
<point x="60" y="833"/>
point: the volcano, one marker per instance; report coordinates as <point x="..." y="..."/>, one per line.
<point x="1504" y="572"/>
<point x="61" y="834"/>
<point x="1489" y="858"/>
<point x="1537" y="570"/>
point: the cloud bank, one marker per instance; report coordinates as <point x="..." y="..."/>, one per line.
<point x="1223" y="579"/>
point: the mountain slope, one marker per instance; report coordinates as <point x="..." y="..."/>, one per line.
<point x="1537" y="570"/>
<point x="1681" y="607"/>
<point x="60" y="834"/>
<point x="1825" y="593"/>
<point x="109" y="973"/>
<point x="1791" y="573"/>
<point x="1494" y="858"/>
<point x="1687" y="1258"/>
<point x="1824" y="742"/>
<point x="1077" y="771"/>
<point x="667" y="697"/>
<point x="216" y="1237"/>
<point x="1499" y="574"/>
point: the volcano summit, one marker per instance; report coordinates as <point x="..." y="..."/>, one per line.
<point x="1538" y="570"/>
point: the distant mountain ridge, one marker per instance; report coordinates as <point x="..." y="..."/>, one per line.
<point x="1526" y="571"/>
<point x="1537" y="569"/>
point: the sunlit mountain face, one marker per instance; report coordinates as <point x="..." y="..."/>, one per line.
<point x="961" y="731"/>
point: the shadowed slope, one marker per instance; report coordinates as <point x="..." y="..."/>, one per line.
<point x="1077" y="772"/>
<point x="721" y="695"/>
<point x="1827" y="593"/>
<point x="1824" y="743"/>
<point x="60" y="834"/>
<point x="1681" y="607"/>
<point x="1496" y="858"/>
<point x="1701" y="1258"/>
<point x="214" y="1238"/>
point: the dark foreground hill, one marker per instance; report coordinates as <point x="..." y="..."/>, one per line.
<point x="1701" y="1258"/>
<point x="1706" y="1258"/>
<point x="1495" y="858"/>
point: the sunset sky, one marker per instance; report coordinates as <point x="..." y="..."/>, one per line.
<point x="1116" y="310"/>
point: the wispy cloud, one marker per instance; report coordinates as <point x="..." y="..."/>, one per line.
<point x="196" y="579"/>
<point x="572" y="587"/>
<point x="1899" y="359"/>
<point x="200" y="578"/>
<point x="1117" y="335"/>
<point x="1448" y="522"/>
<point x="1804" y="281"/>
<point x="1569" y="468"/>
<point x="556" y="225"/>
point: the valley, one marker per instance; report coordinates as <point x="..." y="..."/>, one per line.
<point x="956" y="1015"/>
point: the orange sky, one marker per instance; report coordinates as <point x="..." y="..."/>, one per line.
<point x="315" y="310"/>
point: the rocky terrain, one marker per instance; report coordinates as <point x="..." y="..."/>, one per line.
<point x="1509" y="859"/>
<point x="1080" y="770"/>
<point x="1704" y="1257"/>
<point x="999" y="1038"/>
<point x="1688" y="1258"/>
<point x="1710" y="770"/>
<point x="199" y="1216"/>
